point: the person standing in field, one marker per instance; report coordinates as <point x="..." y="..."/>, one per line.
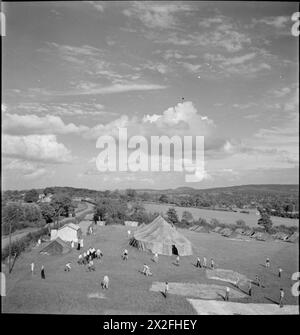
<point x="43" y="272"/>
<point x="72" y="244"/>
<point x="105" y="282"/>
<point x="198" y="264"/>
<point x="125" y="255"/>
<point x="227" y="293"/>
<point x="177" y="260"/>
<point x="128" y="233"/>
<point x="32" y="268"/>
<point x="166" y="289"/>
<point x="204" y="262"/>
<point x="267" y="263"/>
<point x="281" y="298"/>
<point x="257" y="280"/>
<point x="155" y="258"/>
<point x="279" y="272"/>
<point x="250" y="288"/>
<point x="212" y="263"/>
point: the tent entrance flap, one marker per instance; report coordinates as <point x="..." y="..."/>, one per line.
<point x="174" y="250"/>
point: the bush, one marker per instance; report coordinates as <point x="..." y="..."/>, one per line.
<point x="215" y="222"/>
<point x="21" y="244"/>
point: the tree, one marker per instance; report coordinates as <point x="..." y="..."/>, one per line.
<point x="48" y="212"/>
<point x="110" y="210"/>
<point x="138" y="213"/>
<point x="187" y="218"/>
<point x="265" y="221"/>
<point x="32" y="214"/>
<point x="131" y="194"/>
<point x="62" y="205"/>
<point x="172" y="215"/>
<point x="48" y="190"/>
<point x="12" y="214"/>
<point x="163" y="198"/>
<point x="31" y="196"/>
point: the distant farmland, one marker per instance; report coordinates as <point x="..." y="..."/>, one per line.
<point x="222" y="216"/>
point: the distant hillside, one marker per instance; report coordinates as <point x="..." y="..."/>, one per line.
<point x="264" y="188"/>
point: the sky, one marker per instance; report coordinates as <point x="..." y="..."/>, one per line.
<point x="76" y="71"/>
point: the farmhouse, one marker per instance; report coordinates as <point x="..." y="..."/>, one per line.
<point x="160" y="237"/>
<point x="69" y="232"/>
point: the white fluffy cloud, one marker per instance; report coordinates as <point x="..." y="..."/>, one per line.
<point x="44" y="148"/>
<point x="33" y="124"/>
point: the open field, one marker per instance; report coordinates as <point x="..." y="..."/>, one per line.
<point x="222" y="216"/>
<point x="79" y="291"/>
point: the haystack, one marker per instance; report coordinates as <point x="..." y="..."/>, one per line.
<point x="160" y="237"/>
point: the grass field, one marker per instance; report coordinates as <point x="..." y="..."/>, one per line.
<point x="222" y="216"/>
<point x="79" y="291"/>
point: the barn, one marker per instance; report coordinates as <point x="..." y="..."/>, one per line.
<point x="69" y="232"/>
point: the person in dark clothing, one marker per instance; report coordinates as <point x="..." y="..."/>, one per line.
<point x="198" y="264"/>
<point x="250" y="288"/>
<point x="43" y="272"/>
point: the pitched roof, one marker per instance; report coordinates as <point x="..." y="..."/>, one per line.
<point x="71" y="225"/>
<point x="159" y="230"/>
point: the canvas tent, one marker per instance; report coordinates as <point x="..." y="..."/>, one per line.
<point x="160" y="237"/>
<point x="56" y="247"/>
<point x="293" y="238"/>
<point x="263" y="236"/>
<point x="281" y="236"/>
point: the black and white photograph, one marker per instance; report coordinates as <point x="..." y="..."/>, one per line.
<point x="150" y="160"/>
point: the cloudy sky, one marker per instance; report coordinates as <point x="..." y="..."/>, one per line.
<point x="72" y="72"/>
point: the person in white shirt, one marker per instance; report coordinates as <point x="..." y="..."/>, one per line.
<point x="68" y="267"/>
<point x="105" y="282"/>
<point x="227" y="293"/>
<point x="166" y="289"/>
<point x="32" y="268"/>
<point x="281" y="298"/>
<point x="204" y="262"/>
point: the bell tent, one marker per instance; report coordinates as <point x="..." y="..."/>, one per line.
<point x="160" y="237"/>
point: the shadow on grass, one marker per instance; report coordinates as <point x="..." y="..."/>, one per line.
<point x="221" y="295"/>
<point x="176" y="264"/>
<point x="271" y="300"/>
<point x="163" y="294"/>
